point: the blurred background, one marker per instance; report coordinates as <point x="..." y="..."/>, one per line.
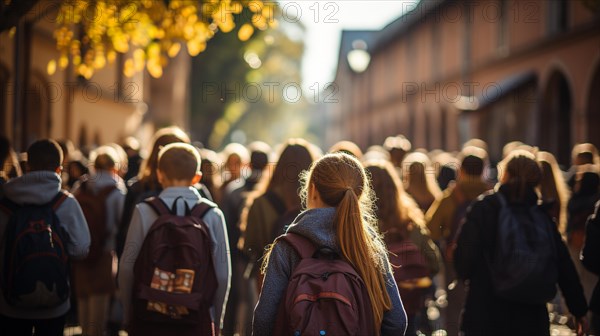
<point x="439" y="72"/>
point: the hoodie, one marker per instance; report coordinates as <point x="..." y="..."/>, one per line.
<point x="39" y="187"/>
<point x="114" y="202"/>
<point x="317" y="226"/>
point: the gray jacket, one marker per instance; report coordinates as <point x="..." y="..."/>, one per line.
<point x="40" y="187"/>
<point x="316" y="225"/>
<point x="142" y="220"/>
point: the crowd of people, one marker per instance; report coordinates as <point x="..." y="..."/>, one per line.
<point x="179" y="239"/>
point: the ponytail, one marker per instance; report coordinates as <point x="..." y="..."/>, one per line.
<point x="342" y="183"/>
<point x="357" y="248"/>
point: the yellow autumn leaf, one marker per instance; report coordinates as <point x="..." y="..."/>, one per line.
<point x="154" y="69"/>
<point x="128" y="68"/>
<point x="63" y="61"/>
<point x="174" y="49"/>
<point x="51" y="67"/>
<point x="245" y="32"/>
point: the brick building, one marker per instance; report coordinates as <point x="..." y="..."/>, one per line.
<point x="447" y="71"/>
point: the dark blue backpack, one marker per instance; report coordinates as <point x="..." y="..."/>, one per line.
<point x="36" y="272"/>
<point x="523" y="264"/>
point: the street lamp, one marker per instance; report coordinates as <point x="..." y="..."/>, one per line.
<point x="358" y="57"/>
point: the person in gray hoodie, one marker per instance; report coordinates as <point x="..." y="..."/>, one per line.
<point x="40" y="185"/>
<point x="94" y="279"/>
<point x="339" y="199"/>
<point x="175" y="161"/>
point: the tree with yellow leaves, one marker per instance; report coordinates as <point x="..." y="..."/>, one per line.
<point x="90" y="33"/>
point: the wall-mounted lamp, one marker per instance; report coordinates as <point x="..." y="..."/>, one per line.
<point x="358" y="57"/>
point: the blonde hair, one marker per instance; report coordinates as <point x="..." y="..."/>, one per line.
<point x="552" y="185"/>
<point x="342" y="183"/>
<point x="421" y="184"/>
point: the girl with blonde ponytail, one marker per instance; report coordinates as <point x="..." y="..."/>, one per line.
<point x="339" y="215"/>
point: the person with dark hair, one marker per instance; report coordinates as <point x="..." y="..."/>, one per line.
<point x="402" y="223"/>
<point x="35" y="191"/>
<point x="9" y="163"/>
<point x="340" y="219"/>
<point x="101" y="196"/>
<point x="232" y="206"/>
<point x="444" y="219"/>
<point x="495" y="304"/>
<point x="590" y="258"/>
<point x="272" y="206"/>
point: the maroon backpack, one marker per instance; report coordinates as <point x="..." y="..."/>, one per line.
<point x="325" y="295"/>
<point x="93" y="206"/>
<point x="174" y="275"/>
<point x="410" y="272"/>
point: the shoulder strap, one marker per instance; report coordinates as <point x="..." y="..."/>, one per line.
<point x="200" y="209"/>
<point x="276" y="202"/>
<point x="304" y="247"/>
<point x="59" y="199"/>
<point x="158" y="205"/>
<point x="501" y="199"/>
<point x="104" y="192"/>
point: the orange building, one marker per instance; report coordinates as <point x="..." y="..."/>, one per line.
<point x="106" y="108"/>
<point x="498" y="70"/>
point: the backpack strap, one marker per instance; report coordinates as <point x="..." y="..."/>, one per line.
<point x="59" y="199"/>
<point x="200" y="209"/>
<point x="102" y="193"/>
<point x="303" y="246"/>
<point x="158" y="205"/>
<point x="276" y="202"/>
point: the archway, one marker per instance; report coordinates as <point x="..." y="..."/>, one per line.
<point x="593" y="109"/>
<point x="555" y="118"/>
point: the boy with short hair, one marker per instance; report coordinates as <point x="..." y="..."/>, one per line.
<point x="40" y="186"/>
<point x="178" y="170"/>
<point x="101" y="195"/>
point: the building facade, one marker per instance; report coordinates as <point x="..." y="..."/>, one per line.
<point x="448" y="71"/>
<point x="35" y="104"/>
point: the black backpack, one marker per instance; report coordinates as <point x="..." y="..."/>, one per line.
<point x="523" y="264"/>
<point x="36" y="268"/>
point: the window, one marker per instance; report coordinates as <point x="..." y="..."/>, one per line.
<point x="558" y="16"/>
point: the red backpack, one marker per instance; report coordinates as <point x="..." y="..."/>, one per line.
<point x="93" y="205"/>
<point x="174" y="276"/>
<point x="94" y="275"/>
<point x="325" y="295"/>
<point x="410" y="272"/>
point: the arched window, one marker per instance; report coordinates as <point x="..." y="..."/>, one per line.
<point x="555" y="117"/>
